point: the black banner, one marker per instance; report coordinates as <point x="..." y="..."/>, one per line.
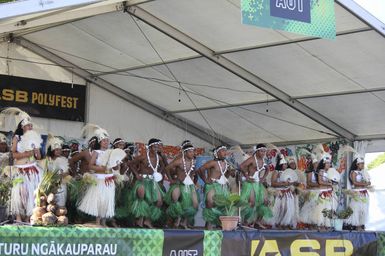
<point x="43" y="98"/>
<point x="183" y="243"/>
<point x="299" y="243"/>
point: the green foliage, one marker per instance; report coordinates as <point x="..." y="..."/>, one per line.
<point x="331" y="214"/>
<point x="229" y="204"/>
<point x="377" y="162"/>
<point x="50" y="182"/>
<point x="6" y="1"/>
<point x="5" y="190"/>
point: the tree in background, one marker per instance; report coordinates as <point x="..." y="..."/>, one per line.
<point x="377" y="161"/>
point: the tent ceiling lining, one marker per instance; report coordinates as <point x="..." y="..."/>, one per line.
<point x="194" y="129"/>
<point x="322" y="95"/>
<point x="273" y="44"/>
<point x="238" y="70"/>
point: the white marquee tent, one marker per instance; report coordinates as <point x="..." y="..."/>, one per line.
<point x="179" y="69"/>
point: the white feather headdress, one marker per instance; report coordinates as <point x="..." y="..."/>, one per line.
<point x="90" y="130"/>
<point x="3" y="138"/>
<point x="271" y="146"/>
<point x="11" y="117"/>
<point x="54" y="142"/>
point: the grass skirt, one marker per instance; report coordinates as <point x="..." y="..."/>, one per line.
<point x="259" y="209"/>
<point x="307" y="215"/>
<point x="359" y="202"/>
<point x="99" y="199"/>
<point x="285" y="208"/>
<point x="146" y="207"/>
<point x="184" y="207"/>
<point x="211" y="215"/>
<point x="326" y="200"/>
<point x="26" y="182"/>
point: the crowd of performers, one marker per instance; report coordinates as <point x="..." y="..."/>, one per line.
<point x="133" y="186"/>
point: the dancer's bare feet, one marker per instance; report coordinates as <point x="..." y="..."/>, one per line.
<point x="177" y="223"/>
<point x="147" y="223"/>
<point x="184" y="224"/>
<point x="260" y="226"/>
<point x="209" y="226"/>
<point x="139" y="222"/>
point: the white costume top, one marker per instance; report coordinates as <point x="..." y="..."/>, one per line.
<point x="359" y="176"/>
<point x="98" y="158"/>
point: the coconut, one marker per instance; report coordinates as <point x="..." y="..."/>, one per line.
<point x="51" y="198"/>
<point x="38" y="212"/>
<point x="34" y="220"/>
<point x="61" y="211"/>
<point x="49" y="218"/>
<point x="62" y="220"/>
<point x="51" y="208"/>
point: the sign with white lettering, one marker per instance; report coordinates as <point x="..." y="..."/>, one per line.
<point x="291" y="9"/>
<point x="307" y="17"/>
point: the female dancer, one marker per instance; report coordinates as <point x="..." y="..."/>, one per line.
<point x="359" y="201"/>
<point x="99" y="199"/>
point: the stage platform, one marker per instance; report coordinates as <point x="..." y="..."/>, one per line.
<point x="26" y="240"/>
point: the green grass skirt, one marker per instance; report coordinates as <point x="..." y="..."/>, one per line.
<point x="211" y="215"/>
<point x="184" y="207"/>
<point x="259" y="210"/>
<point x="146" y="207"/>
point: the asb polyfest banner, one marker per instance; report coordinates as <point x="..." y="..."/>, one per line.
<point x="42" y="98"/>
<point x="307" y="17"/>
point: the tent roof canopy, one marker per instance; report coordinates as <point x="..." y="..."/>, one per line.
<point x="195" y="61"/>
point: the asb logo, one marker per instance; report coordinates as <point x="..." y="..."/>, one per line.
<point x="298" y="10"/>
<point x="183" y="252"/>
<point x="304" y="247"/>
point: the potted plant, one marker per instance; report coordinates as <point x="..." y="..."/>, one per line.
<point x="229" y="206"/>
<point x="338" y="217"/>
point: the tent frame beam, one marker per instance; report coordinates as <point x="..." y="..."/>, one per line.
<point x="301" y="40"/>
<point x="322" y="95"/>
<point x="316" y="141"/>
<point x="238" y="70"/>
<point x="182" y="123"/>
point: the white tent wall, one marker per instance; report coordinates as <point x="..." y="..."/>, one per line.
<point x="123" y="119"/>
<point x="18" y="61"/>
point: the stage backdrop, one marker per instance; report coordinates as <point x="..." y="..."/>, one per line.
<point x="21" y="240"/>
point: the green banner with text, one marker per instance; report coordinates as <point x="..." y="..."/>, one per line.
<point x="307" y="17"/>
